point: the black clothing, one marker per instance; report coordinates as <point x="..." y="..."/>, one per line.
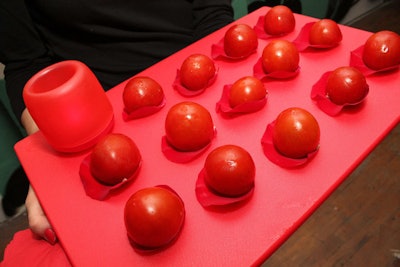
<point x="116" y="39"/>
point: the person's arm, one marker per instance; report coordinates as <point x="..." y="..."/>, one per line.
<point x="211" y="15"/>
<point x="22" y="50"/>
<point x="23" y="54"/>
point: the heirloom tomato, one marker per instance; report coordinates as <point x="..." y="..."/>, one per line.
<point x="142" y="91"/>
<point x="240" y="41"/>
<point x="296" y="133"/>
<point x="196" y="72"/>
<point x="382" y="50"/>
<point x="325" y="32"/>
<point x="280" y="55"/>
<point x="279" y="20"/>
<point x="188" y="126"/>
<point x="246" y="89"/>
<point x="229" y="171"/>
<point x="114" y="158"/>
<point x="346" y="85"/>
<point x="154" y="217"/>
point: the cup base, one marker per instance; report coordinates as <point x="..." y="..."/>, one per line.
<point x="88" y="143"/>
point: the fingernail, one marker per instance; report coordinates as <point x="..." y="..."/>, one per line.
<point x="50" y="236"/>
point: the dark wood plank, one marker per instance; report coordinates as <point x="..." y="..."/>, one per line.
<point x="359" y="224"/>
<point x="387" y="17"/>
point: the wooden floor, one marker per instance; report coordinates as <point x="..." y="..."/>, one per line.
<point x="359" y="224"/>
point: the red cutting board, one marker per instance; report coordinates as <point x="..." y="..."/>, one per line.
<point x="92" y="232"/>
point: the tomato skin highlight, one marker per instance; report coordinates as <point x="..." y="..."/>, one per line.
<point x="325" y="32"/>
<point x="382" y="50"/>
<point x="279" y="20"/>
<point x="114" y="158"/>
<point x="189" y="126"/>
<point x="154" y="217"/>
<point x="142" y="91"/>
<point x="280" y="55"/>
<point x="196" y="72"/>
<point x="346" y="85"/>
<point x="240" y="41"/>
<point x="296" y="133"/>
<point x="246" y="89"/>
<point x="230" y="171"/>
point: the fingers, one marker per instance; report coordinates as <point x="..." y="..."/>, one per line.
<point x="28" y="122"/>
<point x="37" y="219"/>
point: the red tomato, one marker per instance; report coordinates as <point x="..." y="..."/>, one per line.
<point x="382" y="50"/>
<point x="196" y="72"/>
<point x="114" y="158"/>
<point x="296" y="133"/>
<point x="230" y="171"/>
<point x="240" y="41"/>
<point x="153" y="217"/>
<point x="279" y="20"/>
<point x="246" y="89"/>
<point x="346" y="85"/>
<point x="141" y="92"/>
<point x="325" y="32"/>
<point x="189" y="126"/>
<point x="280" y="55"/>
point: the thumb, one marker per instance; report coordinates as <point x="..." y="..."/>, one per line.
<point x="37" y="218"/>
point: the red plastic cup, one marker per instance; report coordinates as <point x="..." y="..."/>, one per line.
<point x="69" y="106"/>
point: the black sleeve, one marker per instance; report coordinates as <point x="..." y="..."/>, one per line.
<point x="21" y="50"/>
<point x="24" y="53"/>
<point x="210" y="15"/>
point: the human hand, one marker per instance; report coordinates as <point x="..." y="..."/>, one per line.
<point x="37" y="218"/>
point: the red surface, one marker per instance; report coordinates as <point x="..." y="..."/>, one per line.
<point x="92" y="232"/>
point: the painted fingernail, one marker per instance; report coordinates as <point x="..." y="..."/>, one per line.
<point x="50" y="236"/>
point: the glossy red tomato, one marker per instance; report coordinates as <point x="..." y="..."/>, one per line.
<point x="325" y="32"/>
<point x="230" y="171"/>
<point x="280" y="55"/>
<point x="114" y="158"/>
<point x="196" y="72"/>
<point x="142" y="91"/>
<point x="346" y="85"/>
<point x="246" y="89"/>
<point x="189" y="126"/>
<point x="153" y="217"/>
<point x="296" y="133"/>
<point x="382" y="50"/>
<point x="240" y="41"/>
<point x="279" y="20"/>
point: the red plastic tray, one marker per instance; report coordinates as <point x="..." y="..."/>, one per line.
<point x="93" y="233"/>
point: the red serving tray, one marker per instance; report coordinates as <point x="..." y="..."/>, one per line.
<point x="92" y="232"/>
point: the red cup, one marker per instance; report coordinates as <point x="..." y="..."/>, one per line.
<point x="69" y="106"/>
